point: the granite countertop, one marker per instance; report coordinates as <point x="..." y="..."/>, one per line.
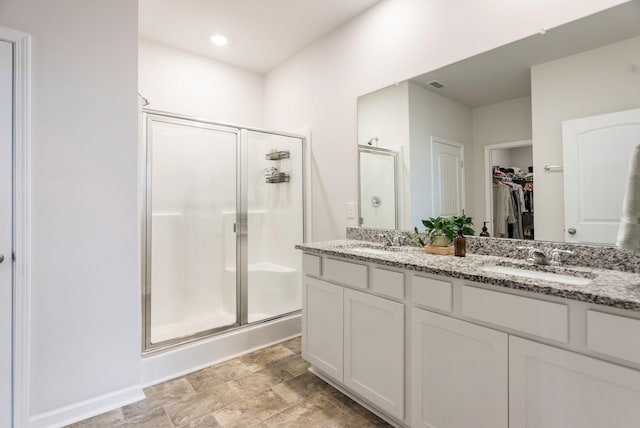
<point x="607" y="287"/>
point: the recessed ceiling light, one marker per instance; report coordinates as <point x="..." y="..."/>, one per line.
<point x="219" y="40"/>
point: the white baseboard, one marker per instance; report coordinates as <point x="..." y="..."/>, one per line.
<point x="86" y="409"/>
<point x="194" y="356"/>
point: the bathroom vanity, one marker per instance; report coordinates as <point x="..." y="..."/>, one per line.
<point x="441" y="341"/>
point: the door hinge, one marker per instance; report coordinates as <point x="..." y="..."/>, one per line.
<point x="13" y="256"/>
<point x="461" y="164"/>
<point x="235" y="227"/>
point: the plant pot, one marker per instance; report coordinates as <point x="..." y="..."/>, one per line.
<point x="440" y="241"/>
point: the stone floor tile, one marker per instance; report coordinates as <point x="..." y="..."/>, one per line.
<point x="295" y="365"/>
<point x="251" y="410"/>
<point x="156" y="418"/>
<point x="159" y="395"/>
<point x="260" y="381"/>
<point x="316" y="411"/>
<point x="294" y="345"/>
<point x="216" y="375"/>
<point x="263" y="358"/>
<point x="197" y="409"/>
<point x="300" y="388"/>
<point x="108" y="419"/>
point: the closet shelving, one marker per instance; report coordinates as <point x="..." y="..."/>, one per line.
<point x="521" y="215"/>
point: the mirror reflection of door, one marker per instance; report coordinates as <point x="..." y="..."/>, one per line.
<point x="378" y="187"/>
<point x="596" y="152"/>
<point x="509" y="194"/>
<point x="448" y="180"/>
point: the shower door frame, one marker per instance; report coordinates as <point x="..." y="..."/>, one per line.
<point x="382" y="152"/>
<point x="241" y="224"/>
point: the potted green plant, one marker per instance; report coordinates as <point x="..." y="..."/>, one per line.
<point x="463" y="224"/>
<point x="441" y="231"/>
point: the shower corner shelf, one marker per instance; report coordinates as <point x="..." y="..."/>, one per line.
<point x="281" y="154"/>
<point x="281" y="177"/>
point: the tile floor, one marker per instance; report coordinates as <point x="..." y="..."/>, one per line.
<point x="267" y="388"/>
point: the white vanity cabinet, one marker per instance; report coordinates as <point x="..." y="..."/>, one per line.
<point x="374" y="350"/>
<point x="355" y="337"/>
<point x="459" y="373"/>
<point x="432" y="351"/>
<point x="551" y="387"/>
<point x="323" y="326"/>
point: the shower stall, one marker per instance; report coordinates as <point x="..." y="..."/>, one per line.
<point x="223" y="211"/>
<point x="378" y="187"/>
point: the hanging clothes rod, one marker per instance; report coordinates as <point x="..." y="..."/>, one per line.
<point x="553" y="168"/>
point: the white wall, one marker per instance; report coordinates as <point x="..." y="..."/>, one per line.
<point x="502" y="122"/>
<point x="594" y="82"/>
<point x="392" y="41"/>
<point x="85" y="268"/>
<point x="432" y="115"/>
<point x="180" y="82"/>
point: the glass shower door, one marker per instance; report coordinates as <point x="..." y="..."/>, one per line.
<point x="274" y="225"/>
<point x="191" y="242"/>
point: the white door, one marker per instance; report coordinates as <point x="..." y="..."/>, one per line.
<point x="459" y="373"/>
<point x="374" y="350"/>
<point x="448" y="184"/>
<point x="596" y="153"/>
<point x="6" y="221"/>
<point x="550" y="387"/>
<point x="322" y="336"/>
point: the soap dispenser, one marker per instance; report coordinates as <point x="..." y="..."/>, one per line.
<point x="460" y="244"/>
<point x="484" y="232"/>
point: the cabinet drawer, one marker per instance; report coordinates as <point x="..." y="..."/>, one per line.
<point x="614" y="335"/>
<point x="311" y="265"/>
<point x="348" y="273"/>
<point x="532" y="316"/>
<point x="388" y="282"/>
<point x="432" y="293"/>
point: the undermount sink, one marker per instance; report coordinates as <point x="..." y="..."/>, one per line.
<point x="369" y="250"/>
<point x="546" y="276"/>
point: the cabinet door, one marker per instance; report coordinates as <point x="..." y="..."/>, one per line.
<point x="374" y="350"/>
<point x="323" y="327"/>
<point x="550" y="387"/>
<point x="459" y="373"/>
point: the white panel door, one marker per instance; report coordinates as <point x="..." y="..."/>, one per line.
<point x="551" y="387"/>
<point x="374" y="350"/>
<point x="322" y="343"/>
<point x="6" y="221"/>
<point x="596" y="153"/>
<point x="459" y="373"/>
<point x="447" y="173"/>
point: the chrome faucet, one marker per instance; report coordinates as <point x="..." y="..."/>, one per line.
<point x="539" y="257"/>
<point x="557" y="256"/>
<point x="535" y="256"/>
<point x="389" y="240"/>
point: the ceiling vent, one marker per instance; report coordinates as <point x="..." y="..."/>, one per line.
<point x="436" y="84"/>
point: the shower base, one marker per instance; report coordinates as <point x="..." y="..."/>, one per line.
<point x="190" y="327"/>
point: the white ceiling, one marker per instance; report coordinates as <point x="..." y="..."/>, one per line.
<point x="504" y="73"/>
<point x="263" y="33"/>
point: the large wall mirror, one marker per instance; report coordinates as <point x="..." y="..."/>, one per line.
<point x="545" y="124"/>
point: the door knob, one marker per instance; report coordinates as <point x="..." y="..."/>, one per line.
<point x="572" y="231"/>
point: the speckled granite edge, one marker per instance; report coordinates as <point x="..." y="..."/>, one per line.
<point x="584" y="255"/>
<point x="609" y="287"/>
